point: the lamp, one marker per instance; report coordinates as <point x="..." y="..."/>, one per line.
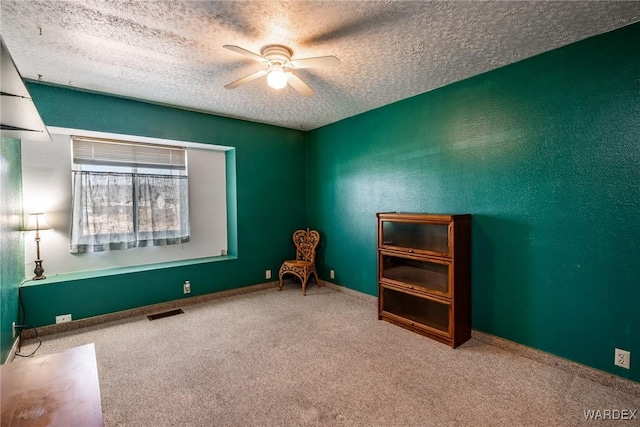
<point x="277" y="78"/>
<point x="37" y="223"/>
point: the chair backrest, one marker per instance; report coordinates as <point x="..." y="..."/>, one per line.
<point x="306" y="242"/>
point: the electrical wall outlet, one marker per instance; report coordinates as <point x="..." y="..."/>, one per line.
<point x="267" y="274"/>
<point x="186" y="288"/>
<point x="332" y="274"/>
<point x="63" y="318"/>
<point x="622" y="358"/>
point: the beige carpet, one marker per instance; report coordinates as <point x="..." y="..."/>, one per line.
<point x="280" y="359"/>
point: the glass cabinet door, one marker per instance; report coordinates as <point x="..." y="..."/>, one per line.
<point x="419" y="237"/>
<point x="417" y="273"/>
<point x="418" y="311"/>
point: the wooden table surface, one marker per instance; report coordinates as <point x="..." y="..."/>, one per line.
<point x="59" y="389"/>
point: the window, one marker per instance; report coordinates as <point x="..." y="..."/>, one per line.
<point x="127" y="195"/>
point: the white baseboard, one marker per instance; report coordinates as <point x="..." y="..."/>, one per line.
<point x="14" y="350"/>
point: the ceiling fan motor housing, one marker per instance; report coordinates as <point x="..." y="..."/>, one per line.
<point x="277" y="53"/>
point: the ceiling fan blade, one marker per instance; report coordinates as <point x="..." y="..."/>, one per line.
<point x="246" y="79"/>
<point x="299" y="85"/>
<point x="245" y="52"/>
<point x="317" y="62"/>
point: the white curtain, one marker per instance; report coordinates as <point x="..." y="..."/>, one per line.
<point x="126" y="210"/>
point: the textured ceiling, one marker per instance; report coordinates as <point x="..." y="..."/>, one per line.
<point x="170" y="52"/>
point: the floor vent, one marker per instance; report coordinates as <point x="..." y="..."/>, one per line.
<point x="165" y="314"/>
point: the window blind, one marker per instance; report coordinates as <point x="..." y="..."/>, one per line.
<point x="124" y="153"/>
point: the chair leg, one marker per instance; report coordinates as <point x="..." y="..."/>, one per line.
<point x="304" y="285"/>
<point x="280" y="285"/>
<point x="316" y="276"/>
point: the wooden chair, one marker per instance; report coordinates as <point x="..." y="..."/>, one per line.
<point x="304" y="265"/>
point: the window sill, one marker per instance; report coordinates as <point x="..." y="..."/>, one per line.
<point x="64" y="277"/>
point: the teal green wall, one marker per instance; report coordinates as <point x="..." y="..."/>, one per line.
<point x="11" y="243"/>
<point x="270" y="203"/>
<point x="545" y="154"/>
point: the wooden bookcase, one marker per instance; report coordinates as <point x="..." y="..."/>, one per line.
<point x="424" y="274"/>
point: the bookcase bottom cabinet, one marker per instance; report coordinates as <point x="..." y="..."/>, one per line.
<point x="418" y="313"/>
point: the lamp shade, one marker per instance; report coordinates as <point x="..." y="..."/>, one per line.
<point x="37" y="222"/>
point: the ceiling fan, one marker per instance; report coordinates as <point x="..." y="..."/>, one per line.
<point x="278" y="65"/>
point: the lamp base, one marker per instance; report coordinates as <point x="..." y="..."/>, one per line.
<point x="38" y="270"/>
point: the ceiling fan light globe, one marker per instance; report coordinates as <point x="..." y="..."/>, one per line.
<point x="277" y="79"/>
